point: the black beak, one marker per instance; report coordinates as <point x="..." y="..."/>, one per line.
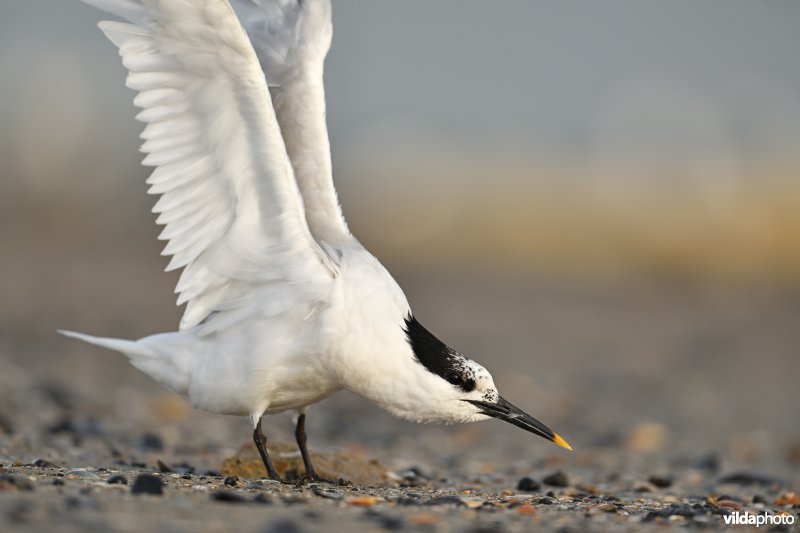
<point x="505" y="410"/>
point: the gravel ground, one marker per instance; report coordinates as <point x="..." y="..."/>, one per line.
<point x="680" y="401"/>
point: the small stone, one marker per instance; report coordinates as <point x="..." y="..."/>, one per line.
<point x="147" y="484"/>
<point x="41" y="463"/>
<point x="607" y="508"/>
<point x="363" y="501"/>
<point x="661" y="482"/>
<point x="231" y="481"/>
<point x="528" y="484"/>
<point x="787" y="498"/>
<point x="526" y="509"/>
<point x="58" y="481"/>
<point x="263" y="499"/>
<point x="758" y="498"/>
<point x="81" y="473"/>
<point x="117" y="479"/>
<point x="556" y="479"/>
<point x="151" y="441"/>
<point x="227" y="496"/>
<point x="747" y="478"/>
<point x="445" y="500"/>
<point x="163" y="467"/>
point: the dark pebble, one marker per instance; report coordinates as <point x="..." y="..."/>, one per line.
<point x="186" y="476"/>
<point x="22" y="483"/>
<point x="163" y="467"/>
<point x="546" y="501"/>
<point x="747" y="478"/>
<point x="758" y="498"/>
<point x="550" y="493"/>
<point x="231" y="481"/>
<point x="408" y="501"/>
<point x="385" y="521"/>
<point x="445" y="500"/>
<point x="528" y="484"/>
<point x="151" y="441"/>
<point x="556" y="479"/>
<point x="263" y="499"/>
<point x="58" y="481"/>
<point x="41" y="463"/>
<point x="227" y="496"/>
<point x="147" y="484"/>
<point x="661" y="482"/>
<point x="137" y="464"/>
<point x="117" y="479"/>
<point x="212" y="473"/>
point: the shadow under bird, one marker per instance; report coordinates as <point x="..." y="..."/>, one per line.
<point x="284" y="307"/>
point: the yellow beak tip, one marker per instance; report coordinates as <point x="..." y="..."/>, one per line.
<point x="561" y="442"/>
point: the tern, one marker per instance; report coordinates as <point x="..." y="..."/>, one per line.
<point x="284" y="307"/>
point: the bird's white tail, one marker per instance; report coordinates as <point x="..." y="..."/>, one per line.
<point x="163" y="367"/>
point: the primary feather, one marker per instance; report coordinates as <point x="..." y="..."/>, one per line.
<point x="233" y="215"/>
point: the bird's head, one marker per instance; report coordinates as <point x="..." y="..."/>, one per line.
<point x="472" y="394"/>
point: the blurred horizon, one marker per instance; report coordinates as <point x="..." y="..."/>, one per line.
<point x="569" y="138"/>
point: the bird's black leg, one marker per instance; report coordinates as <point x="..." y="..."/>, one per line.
<point x="300" y="435"/>
<point x="261" y="441"/>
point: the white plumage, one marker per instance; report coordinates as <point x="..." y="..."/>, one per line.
<point x="283" y="305"/>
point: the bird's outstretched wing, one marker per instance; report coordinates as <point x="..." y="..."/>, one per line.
<point x="233" y="214"/>
<point x="292" y="38"/>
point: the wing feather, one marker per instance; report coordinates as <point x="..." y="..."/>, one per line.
<point x="292" y="39"/>
<point x="233" y="214"/>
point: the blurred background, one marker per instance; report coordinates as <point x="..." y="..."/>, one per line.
<point x="598" y="201"/>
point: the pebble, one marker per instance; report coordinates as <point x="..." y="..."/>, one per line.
<point x="608" y="508"/>
<point x="41" y="463"/>
<point x="227" y="496"/>
<point x="231" y="481"/>
<point x="556" y="479"/>
<point x="163" y="467"/>
<point x="363" y="501"/>
<point x="151" y="441"/>
<point x="661" y="482"/>
<point x="528" y="484"/>
<point x="117" y="479"/>
<point x="81" y="473"/>
<point x="747" y="478"/>
<point x="147" y="484"/>
<point x="445" y="500"/>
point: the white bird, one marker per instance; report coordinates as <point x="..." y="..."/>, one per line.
<point x="284" y="307"/>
